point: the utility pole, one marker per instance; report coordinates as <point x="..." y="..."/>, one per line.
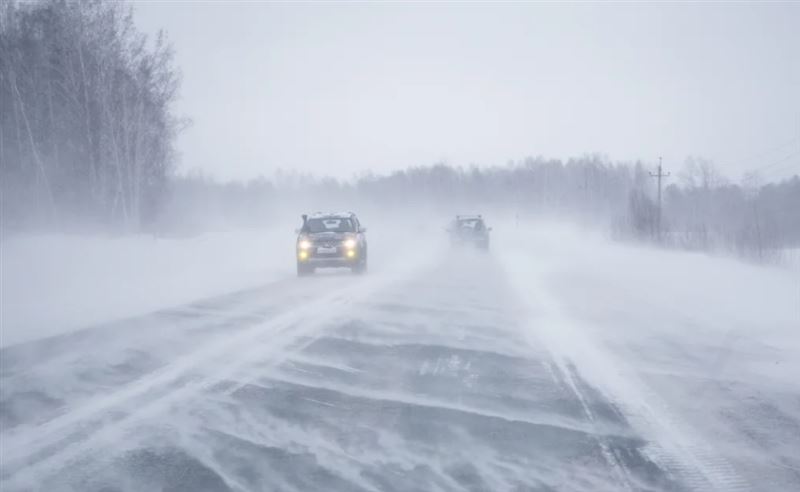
<point x="659" y="175"/>
<point x="585" y="189"/>
<point x="586" y="183"/>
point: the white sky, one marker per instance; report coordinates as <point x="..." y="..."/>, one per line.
<point x="340" y="89"/>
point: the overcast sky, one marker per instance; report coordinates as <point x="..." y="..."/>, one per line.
<point x="345" y="88"/>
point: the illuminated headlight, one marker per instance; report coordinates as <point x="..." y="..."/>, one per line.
<point x="304" y="244"/>
<point x="350" y="243"/>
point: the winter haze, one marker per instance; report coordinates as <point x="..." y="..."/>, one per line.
<point x="349" y="88"/>
<point x="399" y="246"/>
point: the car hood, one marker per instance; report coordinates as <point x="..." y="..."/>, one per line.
<point x="328" y="236"/>
<point x="466" y="231"/>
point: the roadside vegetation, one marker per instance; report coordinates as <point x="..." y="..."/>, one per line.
<point x="88" y="131"/>
<point x="701" y="209"/>
<point x="87" y="127"/>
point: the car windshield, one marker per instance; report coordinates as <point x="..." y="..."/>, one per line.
<point x="469" y="223"/>
<point x="329" y="224"/>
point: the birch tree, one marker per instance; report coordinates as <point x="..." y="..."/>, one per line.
<point x="90" y="128"/>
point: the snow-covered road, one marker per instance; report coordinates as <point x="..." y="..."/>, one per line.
<point x="547" y="364"/>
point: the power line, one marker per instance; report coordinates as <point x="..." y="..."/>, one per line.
<point x="786" y="166"/>
<point x="782" y="160"/>
<point x="769" y="151"/>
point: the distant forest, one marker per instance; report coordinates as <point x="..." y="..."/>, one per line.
<point x="701" y="209"/>
<point x="87" y="133"/>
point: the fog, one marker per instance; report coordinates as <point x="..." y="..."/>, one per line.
<point x="509" y="294"/>
<point x="346" y="89"/>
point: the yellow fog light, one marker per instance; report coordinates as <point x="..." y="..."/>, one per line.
<point x="302" y="255"/>
<point x="351" y="253"/>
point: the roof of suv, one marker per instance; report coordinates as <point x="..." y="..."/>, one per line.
<point x="329" y="215"/>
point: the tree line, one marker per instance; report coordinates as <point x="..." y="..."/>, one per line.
<point x="87" y="126"/>
<point x="701" y="209"/>
<point x="87" y="129"/>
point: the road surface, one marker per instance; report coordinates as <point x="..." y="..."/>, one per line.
<point x="433" y="376"/>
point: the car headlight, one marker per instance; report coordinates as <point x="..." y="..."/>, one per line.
<point x="304" y="244"/>
<point x="350" y="243"/>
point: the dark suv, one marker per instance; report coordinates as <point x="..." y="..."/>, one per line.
<point x="469" y="230"/>
<point x="331" y="240"/>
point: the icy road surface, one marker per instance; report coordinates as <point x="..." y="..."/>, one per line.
<point x="452" y="371"/>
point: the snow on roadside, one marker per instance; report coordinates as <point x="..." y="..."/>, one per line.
<point x="792" y="258"/>
<point x="701" y="354"/>
<point x="52" y="284"/>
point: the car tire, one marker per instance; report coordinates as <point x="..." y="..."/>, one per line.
<point x="360" y="268"/>
<point x="304" y="270"/>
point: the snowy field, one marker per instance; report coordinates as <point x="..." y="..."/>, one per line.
<point x="54" y="284"/>
<point x="557" y="361"/>
<point x="700" y="354"/>
<point x="792" y="258"/>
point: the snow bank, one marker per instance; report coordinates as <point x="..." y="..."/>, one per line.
<point x="792" y="258"/>
<point x="53" y="284"/>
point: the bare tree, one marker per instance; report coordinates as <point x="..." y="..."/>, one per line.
<point x="91" y="106"/>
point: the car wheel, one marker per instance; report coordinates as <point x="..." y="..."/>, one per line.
<point x="360" y="268"/>
<point x="304" y="270"/>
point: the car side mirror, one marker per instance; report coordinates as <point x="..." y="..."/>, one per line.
<point x="363" y="229"/>
<point x="489" y="229"/>
<point x="297" y="231"/>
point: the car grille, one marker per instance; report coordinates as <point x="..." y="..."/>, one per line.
<point x="337" y="252"/>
